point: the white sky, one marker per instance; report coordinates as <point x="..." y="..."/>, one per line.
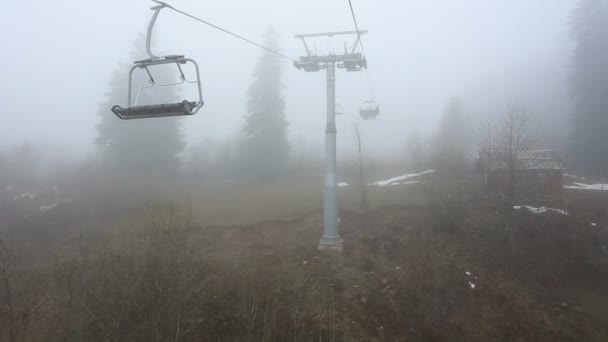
<point x="59" y="57"/>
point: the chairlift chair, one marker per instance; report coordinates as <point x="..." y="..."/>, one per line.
<point x="369" y="110"/>
<point x="354" y="62"/>
<point x="185" y="107"/>
<point x="308" y="64"/>
<point x="339" y="109"/>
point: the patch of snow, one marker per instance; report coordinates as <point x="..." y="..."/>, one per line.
<point x="583" y="186"/>
<point x="472" y="286"/>
<point x="404" y="183"/>
<point x="468" y="273"/>
<point x="29" y="195"/>
<point x="574" y="176"/>
<point x="397" y="180"/>
<point x="593" y="224"/>
<point x="342" y="184"/>
<point x="541" y="210"/>
<point x="48" y="207"/>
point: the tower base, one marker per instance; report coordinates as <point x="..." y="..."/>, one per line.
<point x="331" y="244"/>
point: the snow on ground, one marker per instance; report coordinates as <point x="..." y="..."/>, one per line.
<point x="48" y="207"/>
<point x="398" y="180"/>
<point x="342" y="184"/>
<point x="405" y="183"/>
<point x="583" y="186"/>
<point x="574" y="176"/>
<point x="471" y="284"/>
<point x="541" y="210"/>
<point x="29" y="195"/>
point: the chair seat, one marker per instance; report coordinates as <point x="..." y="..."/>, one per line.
<point x="156" y="111"/>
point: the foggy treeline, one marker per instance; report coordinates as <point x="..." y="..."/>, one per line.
<point x="266" y="140"/>
<point x="265" y="143"/>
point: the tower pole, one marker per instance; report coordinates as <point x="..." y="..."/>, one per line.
<point x="331" y="238"/>
<point x="351" y="61"/>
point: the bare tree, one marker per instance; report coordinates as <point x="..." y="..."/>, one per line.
<point x="417" y="152"/>
<point x="449" y="146"/>
<point x="514" y="137"/>
<point x="361" y="168"/>
<point x="20" y="305"/>
<point x="486" y="136"/>
<point x="485" y="145"/>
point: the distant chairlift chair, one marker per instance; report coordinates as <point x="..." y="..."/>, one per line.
<point x="135" y="111"/>
<point x="339" y="109"/>
<point x="369" y="110"/>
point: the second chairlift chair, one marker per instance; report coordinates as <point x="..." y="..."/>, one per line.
<point x="369" y="110"/>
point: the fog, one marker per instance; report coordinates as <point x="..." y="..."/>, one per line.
<point x="59" y="57"/>
<point x="469" y="174"/>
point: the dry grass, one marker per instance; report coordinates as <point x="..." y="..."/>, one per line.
<point x="285" y="198"/>
<point x="202" y="269"/>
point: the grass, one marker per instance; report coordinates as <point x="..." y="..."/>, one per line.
<point x="238" y="262"/>
<point x="286" y="198"/>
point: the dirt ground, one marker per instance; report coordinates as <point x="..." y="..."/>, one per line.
<point x="404" y="277"/>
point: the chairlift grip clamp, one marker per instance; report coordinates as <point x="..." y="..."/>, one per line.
<point x="156" y="10"/>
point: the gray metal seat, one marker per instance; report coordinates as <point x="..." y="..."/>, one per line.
<point x="369" y="110"/>
<point x="133" y="110"/>
<point x="156" y="111"/>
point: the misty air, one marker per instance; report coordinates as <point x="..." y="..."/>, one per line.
<point x="270" y="170"/>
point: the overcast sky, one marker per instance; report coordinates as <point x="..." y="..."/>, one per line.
<point x="58" y="58"/>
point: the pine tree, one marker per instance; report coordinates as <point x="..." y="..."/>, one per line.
<point x="147" y="147"/>
<point x="451" y="144"/>
<point x="264" y="151"/>
<point x="589" y="85"/>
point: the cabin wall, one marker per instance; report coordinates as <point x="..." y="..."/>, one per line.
<point x="529" y="183"/>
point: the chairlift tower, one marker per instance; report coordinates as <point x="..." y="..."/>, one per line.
<point x="351" y="61"/>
